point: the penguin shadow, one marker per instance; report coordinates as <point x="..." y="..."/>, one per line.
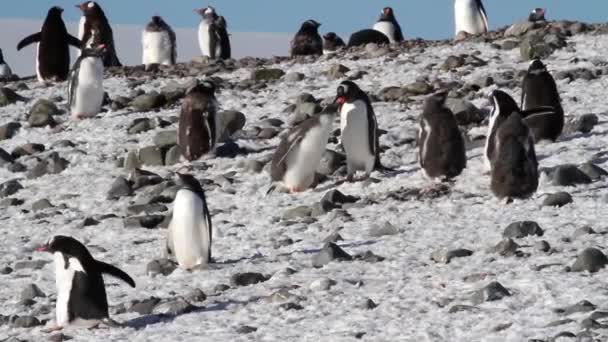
<point x="579" y="135"/>
<point x="345" y="245"/>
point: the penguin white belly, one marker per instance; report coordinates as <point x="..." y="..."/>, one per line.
<point x="5" y="71"/>
<point x="80" y="33"/>
<point x="38" y="74"/>
<point x="156" y="48"/>
<point x="189" y="230"/>
<point x="64" y="277"/>
<point x="387" y="28"/>
<point x="468" y="17"/>
<point x="424" y="145"/>
<point x="88" y="96"/>
<point x="204" y="39"/>
<point x="493" y="117"/>
<point x="303" y="162"/>
<point x="354" y="127"/>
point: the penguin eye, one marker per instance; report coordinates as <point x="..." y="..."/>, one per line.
<point x="91" y="4"/>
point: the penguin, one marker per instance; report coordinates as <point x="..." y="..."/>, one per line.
<point x="441" y="145"/>
<point x="307" y="40"/>
<point x="358" y="130"/>
<point x="514" y="164"/>
<point x="367" y="36"/>
<point x="198" y="127"/>
<point x="190" y="231"/>
<point x="213" y="37"/>
<point x="539" y="90"/>
<point x="5" y="70"/>
<point x="470" y="17"/>
<point x="159" y="43"/>
<point x="300" y="151"/>
<point x="332" y="43"/>
<point x="81" y="293"/>
<point x="387" y="24"/>
<point x="538" y="14"/>
<point x="53" y="52"/>
<point x="96" y="30"/>
<point x="85" y="87"/>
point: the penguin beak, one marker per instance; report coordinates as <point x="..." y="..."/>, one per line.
<point x="340" y="100"/>
<point x="43" y="248"/>
<point x="82" y="6"/>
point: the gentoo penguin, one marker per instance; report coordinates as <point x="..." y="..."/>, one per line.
<point x="538" y="14"/>
<point x="81" y="293"/>
<point x="441" y="146"/>
<point x="331" y="43"/>
<point x="307" y="41"/>
<point x="85" y="88"/>
<point x="159" y="43"/>
<point x="5" y="70"/>
<point x="96" y="30"/>
<point x="539" y="90"/>
<point x="213" y="38"/>
<point x="53" y="52"/>
<point x="514" y="165"/>
<point x="387" y="24"/>
<point x="470" y="17"/>
<point x="198" y="127"/>
<point x="300" y="151"/>
<point x="358" y="129"/>
<point x="190" y="230"/>
<point x="367" y="36"/>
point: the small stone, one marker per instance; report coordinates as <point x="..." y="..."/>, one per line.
<point x="453" y="62"/>
<point x="30" y="264"/>
<point x="31" y="291"/>
<point x="145" y="221"/>
<point x="174" y="308"/>
<point x="162" y="266"/>
<point x="120" y="188"/>
<point x="41" y="205"/>
<point x="219" y="288"/>
<point x="418" y="88"/>
<point x="6" y="270"/>
<point x="492" y="292"/>
<point x="465" y="112"/>
<point x="89" y="222"/>
<point x="9" y="96"/>
<point x="322" y="284"/>
<point x="148" y="102"/>
<point x="542" y="246"/>
<point x="268" y="133"/>
<point x="591" y="259"/>
<point x="444" y="256"/>
<point x="245" y="329"/>
<point x="330" y="162"/>
<point x="294" y="77"/>
<point x="569" y="175"/>
<point x="506" y="247"/>
<point x="140" y="125"/>
<point x="196" y="295"/>
<point x="165" y="139"/>
<point x="370" y="304"/>
<point x="151" y="155"/>
<point x="522" y="229"/>
<point x="334" y="199"/>
<point x="370" y="257"/>
<point x="581" y="124"/>
<point x="27" y="150"/>
<point x="582" y="306"/>
<point x="297" y="212"/>
<point x="462" y="308"/>
<point x="265" y="75"/>
<point x="10" y="188"/>
<point x="172" y="156"/>
<point x="26" y="322"/>
<point x="9" y="130"/>
<point x="337" y="71"/>
<point x="386" y="229"/>
<point x="42" y="113"/>
<point x="559" y="199"/>
<point x="586" y="230"/>
<point x="534" y="46"/>
<point x="248" y="278"/>
<point x="231" y="121"/>
<point x="59" y="337"/>
<point x="144" y="307"/>
<point x="146" y="209"/>
<point x="593" y="171"/>
<point x="329" y="253"/>
<point x="520" y="28"/>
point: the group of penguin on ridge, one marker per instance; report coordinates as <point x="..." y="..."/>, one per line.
<point x="509" y="150"/>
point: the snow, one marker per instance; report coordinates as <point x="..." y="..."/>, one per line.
<point x="412" y="292"/>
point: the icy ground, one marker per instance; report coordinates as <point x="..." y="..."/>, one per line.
<point x="413" y="293"/>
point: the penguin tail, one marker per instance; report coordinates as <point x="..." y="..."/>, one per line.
<point x="271" y="189"/>
<point x="115" y="272"/>
<point x="381" y="168"/>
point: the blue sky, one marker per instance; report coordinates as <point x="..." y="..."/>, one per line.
<point x="419" y="18"/>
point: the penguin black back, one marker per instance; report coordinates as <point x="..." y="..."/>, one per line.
<point x="307" y="40"/>
<point x="197" y="121"/>
<point x="332" y="42"/>
<point x="367" y="36"/>
<point x="97" y="30"/>
<point x="503" y="106"/>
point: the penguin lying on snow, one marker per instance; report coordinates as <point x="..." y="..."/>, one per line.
<point x="85" y="87"/>
<point x="95" y="30"/>
<point x="470" y="17"/>
<point x="387" y="24"/>
<point x="190" y="231"/>
<point x="198" y="127"/>
<point x="81" y="293"/>
<point x="367" y="36"/>
<point x="159" y="43"/>
<point x="441" y="146"/>
<point x="213" y="38"/>
<point x="331" y="42"/>
<point x="300" y="151"/>
<point x="53" y="53"/>
<point x="307" y="40"/>
<point x="5" y="70"/>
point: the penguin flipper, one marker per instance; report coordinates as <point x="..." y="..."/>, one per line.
<point x="115" y="272"/>
<point x="34" y="38"/>
<point x="484" y="16"/>
<point x="74" y="41"/>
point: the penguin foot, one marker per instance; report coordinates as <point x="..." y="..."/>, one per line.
<point x="53" y="328"/>
<point x="80" y="116"/>
<point x="296" y="189"/>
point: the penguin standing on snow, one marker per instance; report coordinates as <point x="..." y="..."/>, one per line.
<point x="198" y="127"/>
<point x="470" y="17"/>
<point x="358" y="129"/>
<point x="159" y="43"/>
<point x="85" y="87"/>
<point x="213" y="38"/>
<point x="300" y="151"/>
<point x="514" y="165"/>
<point x="539" y="90"/>
<point x="53" y="52"/>
<point x="81" y="293"/>
<point x="387" y="24"/>
<point x="331" y="43"/>
<point x="503" y="106"/>
<point x="190" y="230"/>
<point x="96" y="30"/>
<point x="5" y="70"/>
<point x="307" y="40"/>
<point x="441" y="146"/>
<point x="538" y="14"/>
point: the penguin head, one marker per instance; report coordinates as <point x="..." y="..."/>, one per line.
<point x="347" y="91"/>
<point x="331" y="36"/>
<point x="97" y="51"/>
<point x="435" y="103"/>
<point x="157" y="20"/>
<point x="207" y="12"/>
<point x="88" y="7"/>
<point x="188" y="182"/>
<point x="310" y="25"/>
<point x="206" y="87"/>
<point x="504" y="104"/>
<point x="66" y="245"/>
<point x="55" y="11"/>
<point x="536" y="67"/>
<point x="537" y="14"/>
<point x="387" y="14"/>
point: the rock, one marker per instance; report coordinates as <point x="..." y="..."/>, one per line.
<point x="465" y="112"/>
<point x="9" y="130"/>
<point x="174" y="308"/>
<point x="229" y="150"/>
<point x="418" y="88"/>
<point x="593" y="171"/>
<point x="255" y="166"/>
<point x="334" y="199"/>
<point x="151" y="156"/>
<point x="370" y="257"/>
<point x="444" y="256"/>
<point x="291" y="306"/>
<point x="89" y="222"/>
<point x="248" y="278"/>
<point x="148" y="102"/>
<point x="245" y="329"/>
<point x="462" y="308"/>
<point x="41" y="205"/>
<point x="268" y="133"/>
<point x="232" y="121"/>
<point x="9" y="96"/>
<point x="146" y="209"/>
<point x="28" y="149"/>
<point x="337" y="71"/>
<point x="582" y="306"/>
<point x="585" y="230"/>
<point x="297" y="212"/>
<point x="26" y="322"/>
<point x="120" y="188"/>
<point x="569" y="175"/>
<point x="581" y="124"/>
<point x="30" y="264"/>
<point x="322" y="284"/>
<point x="10" y="188"/>
<point x="506" y="247"/>
<point x="60" y="337"/>
<point x="330" y="162"/>
<point x="294" y="77"/>
<point x="329" y="253"/>
<point x="145" y="221"/>
<point x="265" y="75"/>
<point x="144" y="307"/>
<point x="139" y="178"/>
<point x="5" y="158"/>
<point x="534" y="46"/>
<point x="172" y="156"/>
<point x="542" y="246"/>
<point x="520" y="28"/>
<point x="453" y="62"/>
<point x="161" y="266"/>
<point x="559" y="199"/>
<point x="196" y="295"/>
<point x="165" y="139"/>
<point x="42" y="113"/>
<point x="492" y="292"/>
<point x="385" y="229"/>
<point x="31" y="291"/>
<point x="140" y="125"/>
<point x="6" y="270"/>
<point x="591" y="259"/>
<point x="522" y="229"/>
<point x="390" y="94"/>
